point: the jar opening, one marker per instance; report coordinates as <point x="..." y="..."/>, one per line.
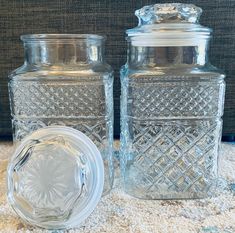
<point x="61" y="37"/>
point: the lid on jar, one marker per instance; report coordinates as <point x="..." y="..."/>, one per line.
<point x="55" y="178"/>
<point x="170" y="24"/>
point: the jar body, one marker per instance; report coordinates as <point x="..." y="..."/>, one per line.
<point x="78" y="96"/>
<point x="171" y="130"/>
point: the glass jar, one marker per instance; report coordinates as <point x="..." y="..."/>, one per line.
<point x="171" y="106"/>
<point x="65" y="81"/>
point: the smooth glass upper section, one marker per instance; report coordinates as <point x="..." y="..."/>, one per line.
<point x="164" y="25"/>
<point x="63" y="49"/>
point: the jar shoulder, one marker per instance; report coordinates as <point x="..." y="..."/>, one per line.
<point x="72" y="71"/>
<point x="204" y="72"/>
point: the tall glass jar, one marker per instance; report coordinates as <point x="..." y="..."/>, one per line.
<point x="65" y="81"/>
<point x="171" y="106"/>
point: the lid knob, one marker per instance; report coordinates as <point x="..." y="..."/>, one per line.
<point x="168" y="13"/>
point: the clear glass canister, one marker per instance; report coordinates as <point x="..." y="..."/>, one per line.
<point x="65" y="81"/>
<point x="171" y="106"/>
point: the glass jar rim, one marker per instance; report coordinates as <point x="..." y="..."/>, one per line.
<point x="62" y="37"/>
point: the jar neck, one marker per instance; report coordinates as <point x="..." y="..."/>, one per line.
<point x="143" y="56"/>
<point x="56" y="52"/>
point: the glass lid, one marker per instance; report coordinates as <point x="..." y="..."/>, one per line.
<point x="55" y="178"/>
<point x="168" y="24"/>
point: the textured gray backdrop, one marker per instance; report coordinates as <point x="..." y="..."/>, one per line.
<point x="111" y="18"/>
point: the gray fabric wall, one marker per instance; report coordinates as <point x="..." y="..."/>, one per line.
<point x="111" y="18"/>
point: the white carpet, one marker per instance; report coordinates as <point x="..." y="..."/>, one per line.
<point x="120" y="213"/>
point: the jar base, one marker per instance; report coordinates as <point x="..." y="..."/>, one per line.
<point x="136" y="193"/>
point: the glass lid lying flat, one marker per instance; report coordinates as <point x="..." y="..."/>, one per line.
<point x="55" y="178"/>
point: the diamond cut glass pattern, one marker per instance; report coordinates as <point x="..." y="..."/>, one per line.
<point x="80" y="106"/>
<point x="177" y="162"/>
<point x="188" y="100"/>
<point x="59" y="99"/>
